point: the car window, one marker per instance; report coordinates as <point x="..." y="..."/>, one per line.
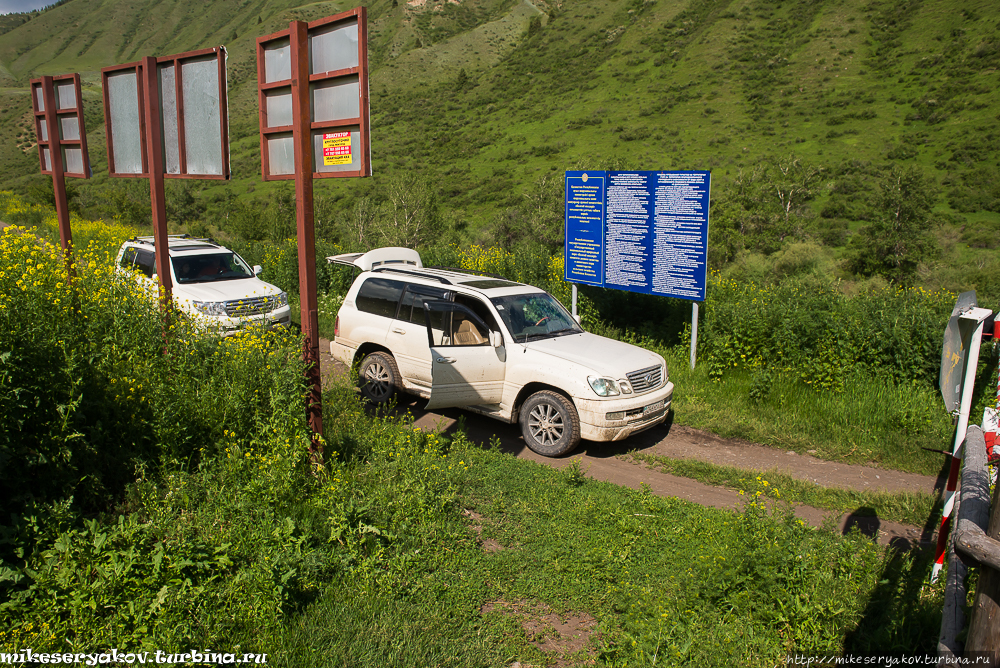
<point x="145" y="261"/>
<point x="128" y="258"/>
<point x="479" y="307"/>
<point x="535" y="316"/>
<point x="452" y="325"/>
<point x="411" y="308"/>
<point x="379" y="296"/>
<point x="210" y="267"/>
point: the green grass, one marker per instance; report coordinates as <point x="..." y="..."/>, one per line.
<point x="654" y="573"/>
<point x="913" y="508"/>
<point x="352" y="627"/>
<point x="873" y="421"/>
<point x="328" y="307"/>
<point x="215" y="529"/>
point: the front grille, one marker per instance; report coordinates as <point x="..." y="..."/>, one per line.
<point x="646" y="379"/>
<point x="240" y="308"/>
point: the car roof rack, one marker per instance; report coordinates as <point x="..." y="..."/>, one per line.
<point x="185" y="237"/>
<point x="394" y="270"/>
<point x="459" y="270"/>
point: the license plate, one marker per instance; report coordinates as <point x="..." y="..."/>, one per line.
<point x="652" y="408"/>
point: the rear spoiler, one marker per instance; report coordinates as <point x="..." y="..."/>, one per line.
<point x="380" y="257"/>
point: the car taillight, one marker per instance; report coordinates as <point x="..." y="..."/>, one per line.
<point x="336" y="327"/>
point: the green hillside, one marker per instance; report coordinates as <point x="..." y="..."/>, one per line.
<point x="814" y="117"/>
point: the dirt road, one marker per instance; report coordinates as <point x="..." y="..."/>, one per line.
<point x="613" y="462"/>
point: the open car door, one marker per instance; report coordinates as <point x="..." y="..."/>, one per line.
<point x="468" y="361"/>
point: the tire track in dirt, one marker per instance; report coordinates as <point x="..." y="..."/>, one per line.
<point x="612" y="462"/>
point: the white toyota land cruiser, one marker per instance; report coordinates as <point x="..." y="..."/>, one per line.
<point x="507" y="350"/>
<point x="211" y="282"/>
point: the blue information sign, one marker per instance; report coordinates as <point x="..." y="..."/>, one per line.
<point x="638" y="231"/>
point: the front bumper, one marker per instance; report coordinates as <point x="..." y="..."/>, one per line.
<point x="279" y="317"/>
<point x="639" y="412"/>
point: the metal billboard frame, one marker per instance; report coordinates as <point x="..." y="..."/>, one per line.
<point x="142" y="93"/>
<point x="148" y="138"/>
<point x="290" y="102"/>
<point x="587" y="251"/>
<point x="52" y="111"/>
<point x="302" y="95"/>
<point x="49" y="113"/>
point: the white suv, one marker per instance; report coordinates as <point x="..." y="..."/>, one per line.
<point x="211" y="282"/>
<point x="503" y="349"/>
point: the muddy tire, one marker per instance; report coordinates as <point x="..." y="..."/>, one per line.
<point x="378" y="377"/>
<point x="550" y="424"/>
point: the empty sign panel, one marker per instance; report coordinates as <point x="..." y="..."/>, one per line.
<point x="71" y="139"/>
<point x="190" y="98"/>
<point x="337" y="103"/>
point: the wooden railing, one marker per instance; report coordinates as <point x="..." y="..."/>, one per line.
<point x="975" y="543"/>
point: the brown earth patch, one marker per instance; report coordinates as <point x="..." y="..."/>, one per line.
<point x="565" y="638"/>
<point x="488" y="544"/>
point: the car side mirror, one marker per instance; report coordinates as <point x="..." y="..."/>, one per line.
<point x="579" y="320"/>
<point x="257" y="270"/>
<point x="496" y="339"/>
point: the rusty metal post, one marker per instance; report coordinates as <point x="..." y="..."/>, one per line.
<point x="309" y="310"/>
<point x="154" y="152"/>
<point x="58" y="173"/>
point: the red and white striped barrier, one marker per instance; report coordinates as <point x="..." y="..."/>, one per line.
<point x="971" y="341"/>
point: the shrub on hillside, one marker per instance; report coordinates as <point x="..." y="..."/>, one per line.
<point x="766" y="206"/>
<point x="821" y="334"/>
<point x="897" y="241"/>
<point x="833" y="231"/>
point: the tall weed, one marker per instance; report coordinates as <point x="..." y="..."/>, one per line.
<point x="821" y="334"/>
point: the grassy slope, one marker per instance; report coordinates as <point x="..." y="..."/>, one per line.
<point x="667" y="84"/>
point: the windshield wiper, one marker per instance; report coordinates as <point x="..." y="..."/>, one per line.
<point x="546" y="335"/>
<point x="219" y="277"/>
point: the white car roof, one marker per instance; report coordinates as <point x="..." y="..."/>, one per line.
<point x="181" y="245"/>
<point x="405" y="264"/>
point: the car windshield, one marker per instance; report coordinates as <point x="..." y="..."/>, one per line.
<point x="535" y="316"/>
<point x="210" y="267"/>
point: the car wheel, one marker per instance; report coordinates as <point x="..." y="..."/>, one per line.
<point x="378" y="377"/>
<point x="550" y="424"/>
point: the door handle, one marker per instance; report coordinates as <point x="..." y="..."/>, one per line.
<point x="397" y="330"/>
<point x="445" y="360"/>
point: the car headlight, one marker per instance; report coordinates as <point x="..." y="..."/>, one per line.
<point x="604" y="387"/>
<point x="278" y="300"/>
<point x="210" y="308"/>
